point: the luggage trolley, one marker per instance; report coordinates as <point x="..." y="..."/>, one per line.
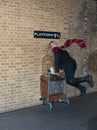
<point x="52" y="89"/>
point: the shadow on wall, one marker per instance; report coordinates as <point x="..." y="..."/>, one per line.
<point x="92" y="124"/>
<point x="93" y="61"/>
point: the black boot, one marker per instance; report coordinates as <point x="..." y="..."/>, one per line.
<point x="90" y="80"/>
<point x="83" y="91"/>
<point x="77" y="80"/>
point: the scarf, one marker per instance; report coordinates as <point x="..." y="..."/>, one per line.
<point x="80" y="42"/>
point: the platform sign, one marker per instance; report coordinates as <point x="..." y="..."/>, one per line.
<point x="46" y="34"/>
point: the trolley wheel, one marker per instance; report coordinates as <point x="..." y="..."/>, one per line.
<point x="66" y="101"/>
<point x="49" y="106"/>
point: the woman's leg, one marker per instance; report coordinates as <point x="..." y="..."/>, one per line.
<point x="81" y="88"/>
<point x="70" y="69"/>
<point x="87" y="78"/>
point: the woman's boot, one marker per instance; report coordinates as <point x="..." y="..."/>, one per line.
<point x="90" y="80"/>
<point x="83" y="91"/>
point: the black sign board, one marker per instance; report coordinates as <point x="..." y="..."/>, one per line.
<point x="47" y="34"/>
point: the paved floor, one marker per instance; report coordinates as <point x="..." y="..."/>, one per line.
<point x="81" y="114"/>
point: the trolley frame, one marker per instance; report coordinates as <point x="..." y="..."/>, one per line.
<point x="52" y="90"/>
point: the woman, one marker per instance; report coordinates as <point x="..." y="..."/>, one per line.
<point x="64" y="61"/>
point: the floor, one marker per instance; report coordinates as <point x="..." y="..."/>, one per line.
<point x="81" y="114"/>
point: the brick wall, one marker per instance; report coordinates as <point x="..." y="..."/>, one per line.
<point x="21" y="55"/>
